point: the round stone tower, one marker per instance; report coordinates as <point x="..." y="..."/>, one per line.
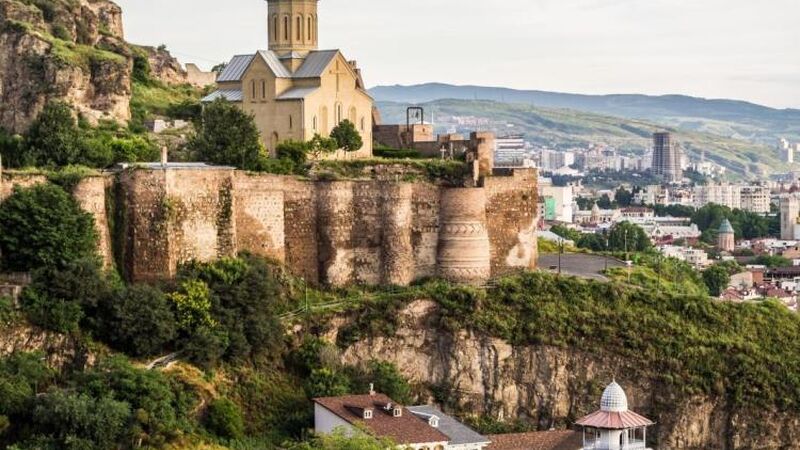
<point x="464" y="252"/>
<point x="292" y="26"/>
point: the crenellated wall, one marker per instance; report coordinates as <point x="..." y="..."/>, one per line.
<point x="379" y="230"/>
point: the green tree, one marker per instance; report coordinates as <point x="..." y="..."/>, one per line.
<point x="63" y="299"/>
<point x="716" y="278"/>
<point x="193" y="306"/>
<point x="605" y="202"/>
<point x="628" y="237"/>
<point x="347" y="137"/>
<point x="319" y="145"/>
<point x="623" y="197"/>
<point x="42" y="226"/>
<point x="138" y="321"/>
<point x="388" y="380"/>
<point x="53" y="139"/>
<point x="227" y="135"/>
<point x="224" y="418"/>
<point x="772" y="261"/>
<point x="340" y="440"/>
<point x="327" y="382"/>
<point x="566" y="233"/>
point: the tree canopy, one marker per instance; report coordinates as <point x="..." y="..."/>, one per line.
<point x="227" y="135"/>
<point x="347" y="137"/>
<point x="43" y="226"/>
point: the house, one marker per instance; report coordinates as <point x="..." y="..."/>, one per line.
<point x="461" y="437"/>
<point x="378" y="415"/>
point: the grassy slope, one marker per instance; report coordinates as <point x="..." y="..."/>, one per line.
<point x="563" y="128"/>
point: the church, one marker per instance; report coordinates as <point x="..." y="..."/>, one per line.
<point x="293" y="89"/>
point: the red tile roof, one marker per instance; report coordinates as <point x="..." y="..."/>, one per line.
<point x="540" y="440"/>
<point x="406" y="429"/>
<point x="615" y="420"/>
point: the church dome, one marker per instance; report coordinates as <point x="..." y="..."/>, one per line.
<point x="726" y="227"/>
<point x="614" y="399"/>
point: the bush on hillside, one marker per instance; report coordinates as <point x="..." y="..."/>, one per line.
<point x="138" y="321"/>
<point x="224" y="419"/>
<point x="53" y="139"/>
<point x="42" y="226"/>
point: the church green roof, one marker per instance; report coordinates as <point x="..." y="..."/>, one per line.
<point x="726" y="227"/>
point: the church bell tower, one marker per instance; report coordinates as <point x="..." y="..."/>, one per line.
<point x="292" y="26"/>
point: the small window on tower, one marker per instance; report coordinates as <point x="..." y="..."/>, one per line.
<point x="299" y="31"/>
<point x="286" y="28"/>
<point x="308" y="29"/>
<point x="275" y="27"/>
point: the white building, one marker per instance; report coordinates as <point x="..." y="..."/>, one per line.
<point x="411" y="428"/>
<point x="614" y="426"/>
<point x="722" y="194"/>
<point x="694" y="256"/>
<point x="790" y="213"/>
<point x="564" y="200"/>
<point x="510" y="151"/>
<point x="755" y="198"/>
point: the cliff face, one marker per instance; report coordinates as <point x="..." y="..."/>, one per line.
<point x="59" y="350"/>
<point x="70" y="50"/>
<point x="552" y="387"/>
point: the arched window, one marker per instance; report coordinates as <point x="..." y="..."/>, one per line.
<point x="253" y="86"/>
<point x="338" y="113"/>
<point x="285" y="28"/>
<point x="291" y="122"/>
<point x="275" y="27"/>
<point x="299" y="31"/>
<point x="308" y="29"/>
<point x="314" y="123"/>
<point x="263" y="89"/>
<point x="363" y="123"/>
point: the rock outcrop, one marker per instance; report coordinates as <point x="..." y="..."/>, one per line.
<point x="552" y="387"/>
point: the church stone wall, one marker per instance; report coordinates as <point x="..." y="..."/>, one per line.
<point x="377" y="231"/>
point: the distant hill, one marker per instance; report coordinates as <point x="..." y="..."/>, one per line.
<point x="734" y="119"/>
<point x="563" y="128"/>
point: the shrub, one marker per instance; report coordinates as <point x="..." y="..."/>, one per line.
<point x="225" y="419"/>
<point x="139" y="321"/>
<point x="347" y="137"/>
<point x="63" y="299"/>
<point x="227" y="135"/>
<point x="53" y="138"/>
<point x="43" y="226"/>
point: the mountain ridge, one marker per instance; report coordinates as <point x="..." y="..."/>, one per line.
<point x="736" y="119"/>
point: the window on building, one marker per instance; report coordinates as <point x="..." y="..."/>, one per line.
<point x="291" y="122"/>
<point x="253" y="86"/>
<point x="363" y="124"/>
<point x="299" y="31"/>
<point x="308" y="29"/>
<point x="286" y="28"/>
<point x="314" y="123"/>
<point x="275" y="27"/>
<point x="339" y="113"/>
<point x="263" y="89"/>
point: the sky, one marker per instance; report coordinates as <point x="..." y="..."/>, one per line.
<point x="737" y="49"/>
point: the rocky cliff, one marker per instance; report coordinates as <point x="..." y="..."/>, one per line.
<point x="71" y="50"/>
<point x="552" y="387"/>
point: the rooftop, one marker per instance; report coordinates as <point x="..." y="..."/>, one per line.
<point x="458" y="433"/>
<point x="540" y="440"/>
<point x="405" y="429"/>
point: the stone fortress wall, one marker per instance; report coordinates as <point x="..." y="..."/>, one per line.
<point x="373" y="231"/>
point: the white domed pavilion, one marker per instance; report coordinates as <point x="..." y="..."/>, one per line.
<point x="614" y="427"/>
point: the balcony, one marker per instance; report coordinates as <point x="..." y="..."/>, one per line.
<point x="631" y="445"/>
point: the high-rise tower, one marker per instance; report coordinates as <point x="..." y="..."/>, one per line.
<point x="666" y="158"/>
<point x="292" y="26"/>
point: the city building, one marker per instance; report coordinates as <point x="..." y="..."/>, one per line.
<point x="510" y="151"/>
<point x="614" y="426"/>
<point x="293" y="90"/>
<point x="460" y="436"/>
<point x="721" y="194"/>
<point x="597" y="216"/>
<point x="790" y="213"/>
<point x="652" y="195"/>
<point x="755" y="198"/>
<point x="666" y="158"/>
<point x="726" y="240"/>
<point x="558" y="203"/>
<point x="696" y="257"/>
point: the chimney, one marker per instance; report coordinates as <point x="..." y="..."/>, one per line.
<point x="164" y="156"/>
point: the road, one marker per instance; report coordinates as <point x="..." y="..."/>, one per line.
<point x="579" y="264"/>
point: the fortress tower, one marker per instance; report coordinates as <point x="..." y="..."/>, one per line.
<point x="292" y="26"/>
